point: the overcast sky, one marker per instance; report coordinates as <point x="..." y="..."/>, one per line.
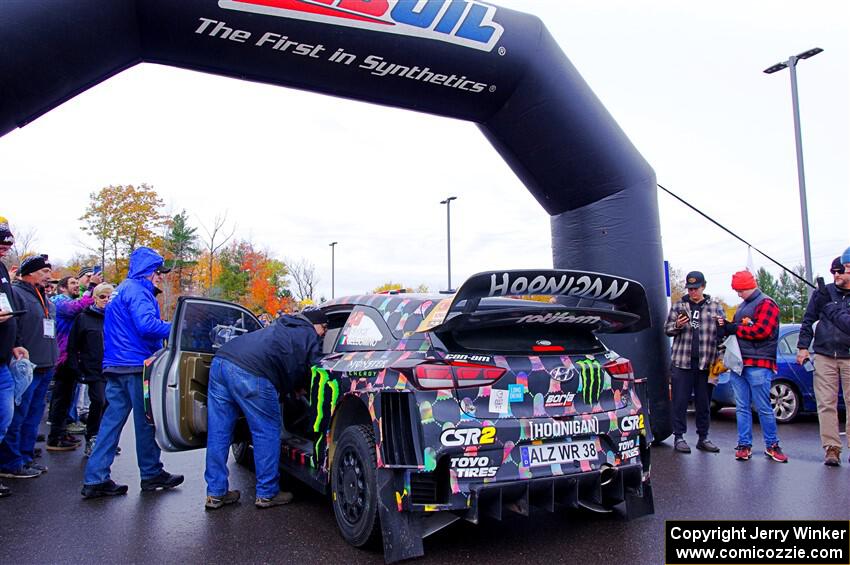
<point x="683" y="79"/>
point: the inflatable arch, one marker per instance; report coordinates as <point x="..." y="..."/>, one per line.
<point x="463" y="59"/>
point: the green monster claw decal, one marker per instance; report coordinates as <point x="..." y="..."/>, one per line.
<point x="591" y="380"/>
<point x="324" y="380"/>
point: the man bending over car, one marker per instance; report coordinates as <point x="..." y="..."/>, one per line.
<point x="249" y="374"/>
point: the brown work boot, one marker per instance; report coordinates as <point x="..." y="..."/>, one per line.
<point x="833" y="456"/>
<point x="279" y="499"/>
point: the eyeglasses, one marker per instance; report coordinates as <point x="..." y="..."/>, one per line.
<point x="836" y="271"/>
<point x="103" y="296"/>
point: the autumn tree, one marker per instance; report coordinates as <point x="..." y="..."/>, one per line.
<point x="253" y="278"/>
<point x="81" y="259"/>
<point x="677" y="284"/>
<point x="422" y="288"/>
<point x="232" y="283"/>
<point x="122" y="218"/>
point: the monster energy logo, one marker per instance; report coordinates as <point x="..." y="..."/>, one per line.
<point x="325" y="382"/>
<point x="590" y="385"/>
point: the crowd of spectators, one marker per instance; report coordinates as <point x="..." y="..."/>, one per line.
<point x="58" y="342"/>
<point x="701" y="336"/>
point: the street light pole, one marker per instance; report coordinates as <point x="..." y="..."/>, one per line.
<point x="791" y="64"/>
<point x="448" y="203"/>
<point x="333" y="247"/>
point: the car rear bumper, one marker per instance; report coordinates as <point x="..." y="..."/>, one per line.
<point x="598" y="490"/>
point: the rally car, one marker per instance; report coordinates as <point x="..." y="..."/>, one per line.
<point x="428" y="409"/>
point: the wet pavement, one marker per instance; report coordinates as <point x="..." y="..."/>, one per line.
<point x="46" y="520"/>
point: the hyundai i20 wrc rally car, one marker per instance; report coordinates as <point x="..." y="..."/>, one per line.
<point x="428" y="409"/>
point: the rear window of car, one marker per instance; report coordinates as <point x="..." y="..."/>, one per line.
<point x="525" y="339"/>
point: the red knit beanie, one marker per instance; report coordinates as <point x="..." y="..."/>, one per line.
<point x="743" y="280"/>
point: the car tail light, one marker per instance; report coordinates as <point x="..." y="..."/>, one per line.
<point x="620" y="369"/>
<point x="544" y="348"/>
<point x="441" y="375"/>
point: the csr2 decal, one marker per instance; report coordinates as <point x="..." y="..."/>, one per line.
<point x="632" y="423"/>
<point x="467" y="22"/>
<point x="468" y="436"/>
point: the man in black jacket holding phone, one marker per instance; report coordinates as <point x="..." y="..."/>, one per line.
<point x="831" y="358"/>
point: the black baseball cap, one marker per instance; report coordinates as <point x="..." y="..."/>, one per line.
<point x="837" y="266"/>
<point x="695" y="279"/>
<point x="314" y="315"/>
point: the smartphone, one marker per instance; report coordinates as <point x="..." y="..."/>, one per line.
<point x="97" y="269"/>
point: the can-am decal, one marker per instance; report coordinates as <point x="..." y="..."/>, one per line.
<point x="467" y="23"/>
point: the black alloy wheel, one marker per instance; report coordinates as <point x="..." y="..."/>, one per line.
<point x="354" y="486"/>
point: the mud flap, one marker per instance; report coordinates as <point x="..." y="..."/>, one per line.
<point x="401" y="531"/>
<point x="639" y="504"/>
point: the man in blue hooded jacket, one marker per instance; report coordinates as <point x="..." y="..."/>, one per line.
<point x="132" y="332"/>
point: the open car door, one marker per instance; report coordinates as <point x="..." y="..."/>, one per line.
<point x="179" y="374"/>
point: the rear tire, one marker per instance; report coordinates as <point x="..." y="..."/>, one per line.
<point x="354" y="486"/>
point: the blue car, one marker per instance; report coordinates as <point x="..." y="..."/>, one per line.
<point x="791" y="392"/>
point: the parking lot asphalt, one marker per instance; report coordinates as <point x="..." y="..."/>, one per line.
<point x="46" y="520"/>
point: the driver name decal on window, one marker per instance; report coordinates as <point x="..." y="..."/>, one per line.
<point x="361" y="331"/>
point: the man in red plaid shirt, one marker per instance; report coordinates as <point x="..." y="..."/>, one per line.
<point x="756" y="325"/>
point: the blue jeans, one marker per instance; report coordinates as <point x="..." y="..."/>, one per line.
<point x="123" y="394"/>
<point x="753" y="387"/>
<point x="17" y="448"/>
<point x="7" y="399"/>
<point x="232" y="389"/>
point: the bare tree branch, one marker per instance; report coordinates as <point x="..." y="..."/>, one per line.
<point x="210" y="243"/>
<point x="25" y="238"/>
<point x="304" y="276"/>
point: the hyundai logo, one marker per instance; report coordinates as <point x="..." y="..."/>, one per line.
<point x="563" y="374"/>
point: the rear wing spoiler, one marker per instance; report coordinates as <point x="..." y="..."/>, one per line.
<point x="571" y="290"/>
